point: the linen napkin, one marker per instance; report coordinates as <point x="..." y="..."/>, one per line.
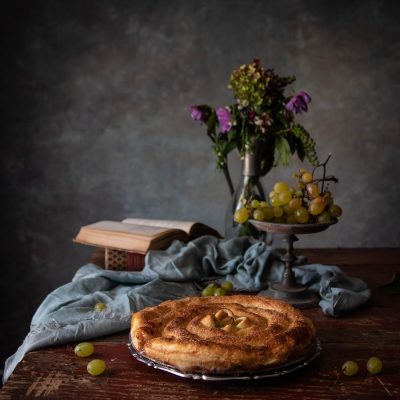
<point x="67" y="314"/>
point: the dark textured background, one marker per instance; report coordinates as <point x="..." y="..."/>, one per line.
<point x="95" y="125"/>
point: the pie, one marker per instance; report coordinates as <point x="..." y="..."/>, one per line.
<point x="222" y="334"/>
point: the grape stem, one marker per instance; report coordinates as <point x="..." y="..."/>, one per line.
<point x="324" y="177"/>
<point x="384" y="386"/>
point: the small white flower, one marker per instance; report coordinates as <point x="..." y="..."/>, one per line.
<point x="258" y="121"/>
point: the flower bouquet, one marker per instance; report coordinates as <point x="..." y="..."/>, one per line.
<point x="261" y="114"/>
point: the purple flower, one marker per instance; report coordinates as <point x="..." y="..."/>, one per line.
<point x="224" y="118"/>
<point x="196" y="114"/>
<point x="298" y="103"/>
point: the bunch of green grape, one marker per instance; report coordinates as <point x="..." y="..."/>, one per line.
<point x="214" y="290"/>
<point x="306" y="202"/>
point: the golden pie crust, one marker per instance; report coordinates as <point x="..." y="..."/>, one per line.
<point x="231" y="334"/>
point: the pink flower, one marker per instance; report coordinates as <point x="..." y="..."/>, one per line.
<point x="196" y="114"/>
<point x="225" y="119"/>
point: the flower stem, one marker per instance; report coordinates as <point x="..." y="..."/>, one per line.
<point x="227" y="175"/>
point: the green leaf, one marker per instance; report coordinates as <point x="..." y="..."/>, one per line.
<point x="393" y="287"/>
<point x="211" y="125"/>
<point x="267" y="156"/>
<point x="283" y="151"/>
<point x="231" y="145"/>
<point x="231" y="135"/>
<point x="292" y="142"/>
<point x="300" y="149"/>
<point x="308" y="143"/>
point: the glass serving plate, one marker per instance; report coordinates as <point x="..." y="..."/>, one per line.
<point x="268" y="373"/>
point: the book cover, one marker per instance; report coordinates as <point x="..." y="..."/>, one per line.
<point x="120" y="260"/>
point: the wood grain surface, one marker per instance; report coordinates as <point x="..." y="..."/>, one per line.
<point x="373" y="330"/>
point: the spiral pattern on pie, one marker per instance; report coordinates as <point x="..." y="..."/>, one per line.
<point x="232" y="334"/>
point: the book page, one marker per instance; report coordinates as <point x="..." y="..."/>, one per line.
<point x="120" y="228"/>
<point x="183" y="225"/>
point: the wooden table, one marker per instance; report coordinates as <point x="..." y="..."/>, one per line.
<point x="56" y="373"/>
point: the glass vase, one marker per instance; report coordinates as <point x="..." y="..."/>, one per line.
<point x="249" y="186"/>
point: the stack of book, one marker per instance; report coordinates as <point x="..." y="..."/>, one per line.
<point x="126" y="243"/>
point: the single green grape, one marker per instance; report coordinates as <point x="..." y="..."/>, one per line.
<point x="254" y="203"/>
<point x="96" y="367"/>
<point x="320" y="199"/>
<point x="280" y="187"/>
<point x="374" y="365"/>
<point x="324" y="218"/>
<point x="275" y="202"/>
<point x="312" y="190"/>
<point x="278" y="212"/>
<point x="272" y="194"/>
<point x="219" y="292"/>
<point x="84" y="349"/>
<point x="227" y="286"/>
<point x="291" y="219"/>
<point x="241" y="215"/>
<point x="100" y="307"/>
<point x="350" y="368"/>
<point x="263" y="204"/>
<point x="329" y="200"/>
<point x="301" y="215"/>
<point x="316" y="208"/>
<point x="285" y="197"/>
<point x="295" y="203"/>
<point x="258" y="215"/>
<point x="208" y="291"/>
<point x="307" y="177"/>
<point x="335" y="211"/>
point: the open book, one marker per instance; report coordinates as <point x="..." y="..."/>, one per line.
<point x="141" y="235"/>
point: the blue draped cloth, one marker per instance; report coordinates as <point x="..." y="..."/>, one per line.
<point x="67" y="314"/>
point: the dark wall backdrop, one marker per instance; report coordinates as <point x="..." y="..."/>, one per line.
<point x="95" y="125"/>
